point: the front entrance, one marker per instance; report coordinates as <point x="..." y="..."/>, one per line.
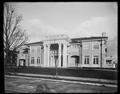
<point x="22" y="62"/>
<point x="76" y="60"/>
<point x="54" y="55"/>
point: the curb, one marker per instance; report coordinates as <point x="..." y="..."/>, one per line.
<point x="90" y="81"/>
<point x="67" y="81"/>
<point x="73" y="78"/>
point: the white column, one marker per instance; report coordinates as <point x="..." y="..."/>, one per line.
<point x="41" y="56"/>
<point x="35" y="54"/>
<point x="48" y="52"/>
<point x="59" y="65"/>
<point x="64" y="55"/>
<point x="53" y="61"/>
<point x="68" y="60"/>
<point x="44" y="56"/>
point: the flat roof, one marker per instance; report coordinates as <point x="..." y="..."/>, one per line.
<point x="87" y="38"/>
<point x="72" y="39"/>
<point x="40" y="42"/>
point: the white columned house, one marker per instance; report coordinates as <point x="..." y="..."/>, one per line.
<point x="83" y="52"/>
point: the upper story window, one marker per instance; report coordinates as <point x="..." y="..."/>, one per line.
<point x="95" y="60"/>
<point x="86" y="46"/>
<point x="96" y="46"/>
<point x="86" y="60"/>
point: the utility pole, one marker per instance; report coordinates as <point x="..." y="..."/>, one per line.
<point x="101" y="49"/>
<point x="101" y="53"/>
<point x="80" y="53"/>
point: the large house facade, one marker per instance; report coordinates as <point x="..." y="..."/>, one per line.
<point x="63" y="52"/>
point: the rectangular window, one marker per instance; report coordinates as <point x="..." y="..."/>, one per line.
<point x="32" y="60"/>
<point x="108" y="61"/>
<point x="38" y="60"/>
<point x="86" y="46"/>
<point x="96" y="46"/>
<point x="86" y="61"/>
<point x="95" y="60"/>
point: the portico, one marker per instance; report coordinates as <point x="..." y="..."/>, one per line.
<point x="55" y="51"/>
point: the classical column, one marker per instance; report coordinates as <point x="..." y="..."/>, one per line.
<point x="48" y="52"/>
<point x="52" y="61"/>
<point x="59" y="65"/>
<point x="80" y="56"/>
<point x="64" y="55"/>
<point x="44" y="64"/>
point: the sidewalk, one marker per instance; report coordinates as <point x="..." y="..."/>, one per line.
<point x="78" y="79"/>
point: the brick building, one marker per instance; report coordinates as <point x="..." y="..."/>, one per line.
<point x="64" y="52"/>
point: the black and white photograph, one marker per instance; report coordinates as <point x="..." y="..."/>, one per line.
<point x="60" y="47"/>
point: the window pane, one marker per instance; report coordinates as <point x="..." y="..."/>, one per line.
<point x="97" y="60"/>
<point x="85" y="61"/>
<point x="94" y="60"/>
<point x="37" y="60"/>
<point x="32" y="60"/>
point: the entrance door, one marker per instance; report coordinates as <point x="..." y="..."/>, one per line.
<point x="21" y="62"/>
<point x="54" y="53"/>
<point x="76" y="60"/>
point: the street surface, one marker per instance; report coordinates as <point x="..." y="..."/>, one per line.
<point x="32" y="85"/>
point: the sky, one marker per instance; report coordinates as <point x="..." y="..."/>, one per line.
<point x="76" y="19"/>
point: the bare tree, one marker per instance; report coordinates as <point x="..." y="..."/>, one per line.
<point x="14" y="35"/>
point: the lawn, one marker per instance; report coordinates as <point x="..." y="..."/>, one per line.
<point x="75" y="72"/>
